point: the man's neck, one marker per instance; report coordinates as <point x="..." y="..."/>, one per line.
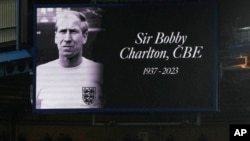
<point x="70" y="62"/>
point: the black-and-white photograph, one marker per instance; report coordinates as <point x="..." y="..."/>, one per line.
<point x="68" y="76"/>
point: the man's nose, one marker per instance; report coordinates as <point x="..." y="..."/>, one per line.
<point x="67" y="37"/>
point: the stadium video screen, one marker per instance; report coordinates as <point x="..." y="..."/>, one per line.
<point x="125" y="57"/>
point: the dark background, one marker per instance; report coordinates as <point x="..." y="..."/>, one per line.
<point x="125" y="85"/>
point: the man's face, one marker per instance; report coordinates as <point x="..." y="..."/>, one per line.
<point x="69" y="37"/>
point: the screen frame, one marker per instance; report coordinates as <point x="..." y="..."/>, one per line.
<point x="213" y="107"/>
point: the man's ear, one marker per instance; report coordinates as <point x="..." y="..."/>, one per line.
<point x="85" y="37"/>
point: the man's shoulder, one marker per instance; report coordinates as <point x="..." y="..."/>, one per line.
<point x="88" y="62"/>
<point x="48" y="65"/>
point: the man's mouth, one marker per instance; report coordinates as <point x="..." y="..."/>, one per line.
<point x="67" y="46"/>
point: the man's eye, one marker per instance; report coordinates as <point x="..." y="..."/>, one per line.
<point x="62" y="31"/>
<point x="73" y="31"/>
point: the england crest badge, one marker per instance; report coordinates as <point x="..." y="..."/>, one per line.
<point x="88" y="95"/>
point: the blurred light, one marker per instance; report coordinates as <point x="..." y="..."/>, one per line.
<point x="44" y="20"/>
<point x="50" y="9"/>
<point x="43" y="11"/>
<point x="245" y="61"/>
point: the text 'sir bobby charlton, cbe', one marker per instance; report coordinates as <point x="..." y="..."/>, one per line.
<point x="71" y="81"/>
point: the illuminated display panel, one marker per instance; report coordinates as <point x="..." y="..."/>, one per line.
<point x="135" y="58"/>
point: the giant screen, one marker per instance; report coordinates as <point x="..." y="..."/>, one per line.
<point x="133" y="57"/>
